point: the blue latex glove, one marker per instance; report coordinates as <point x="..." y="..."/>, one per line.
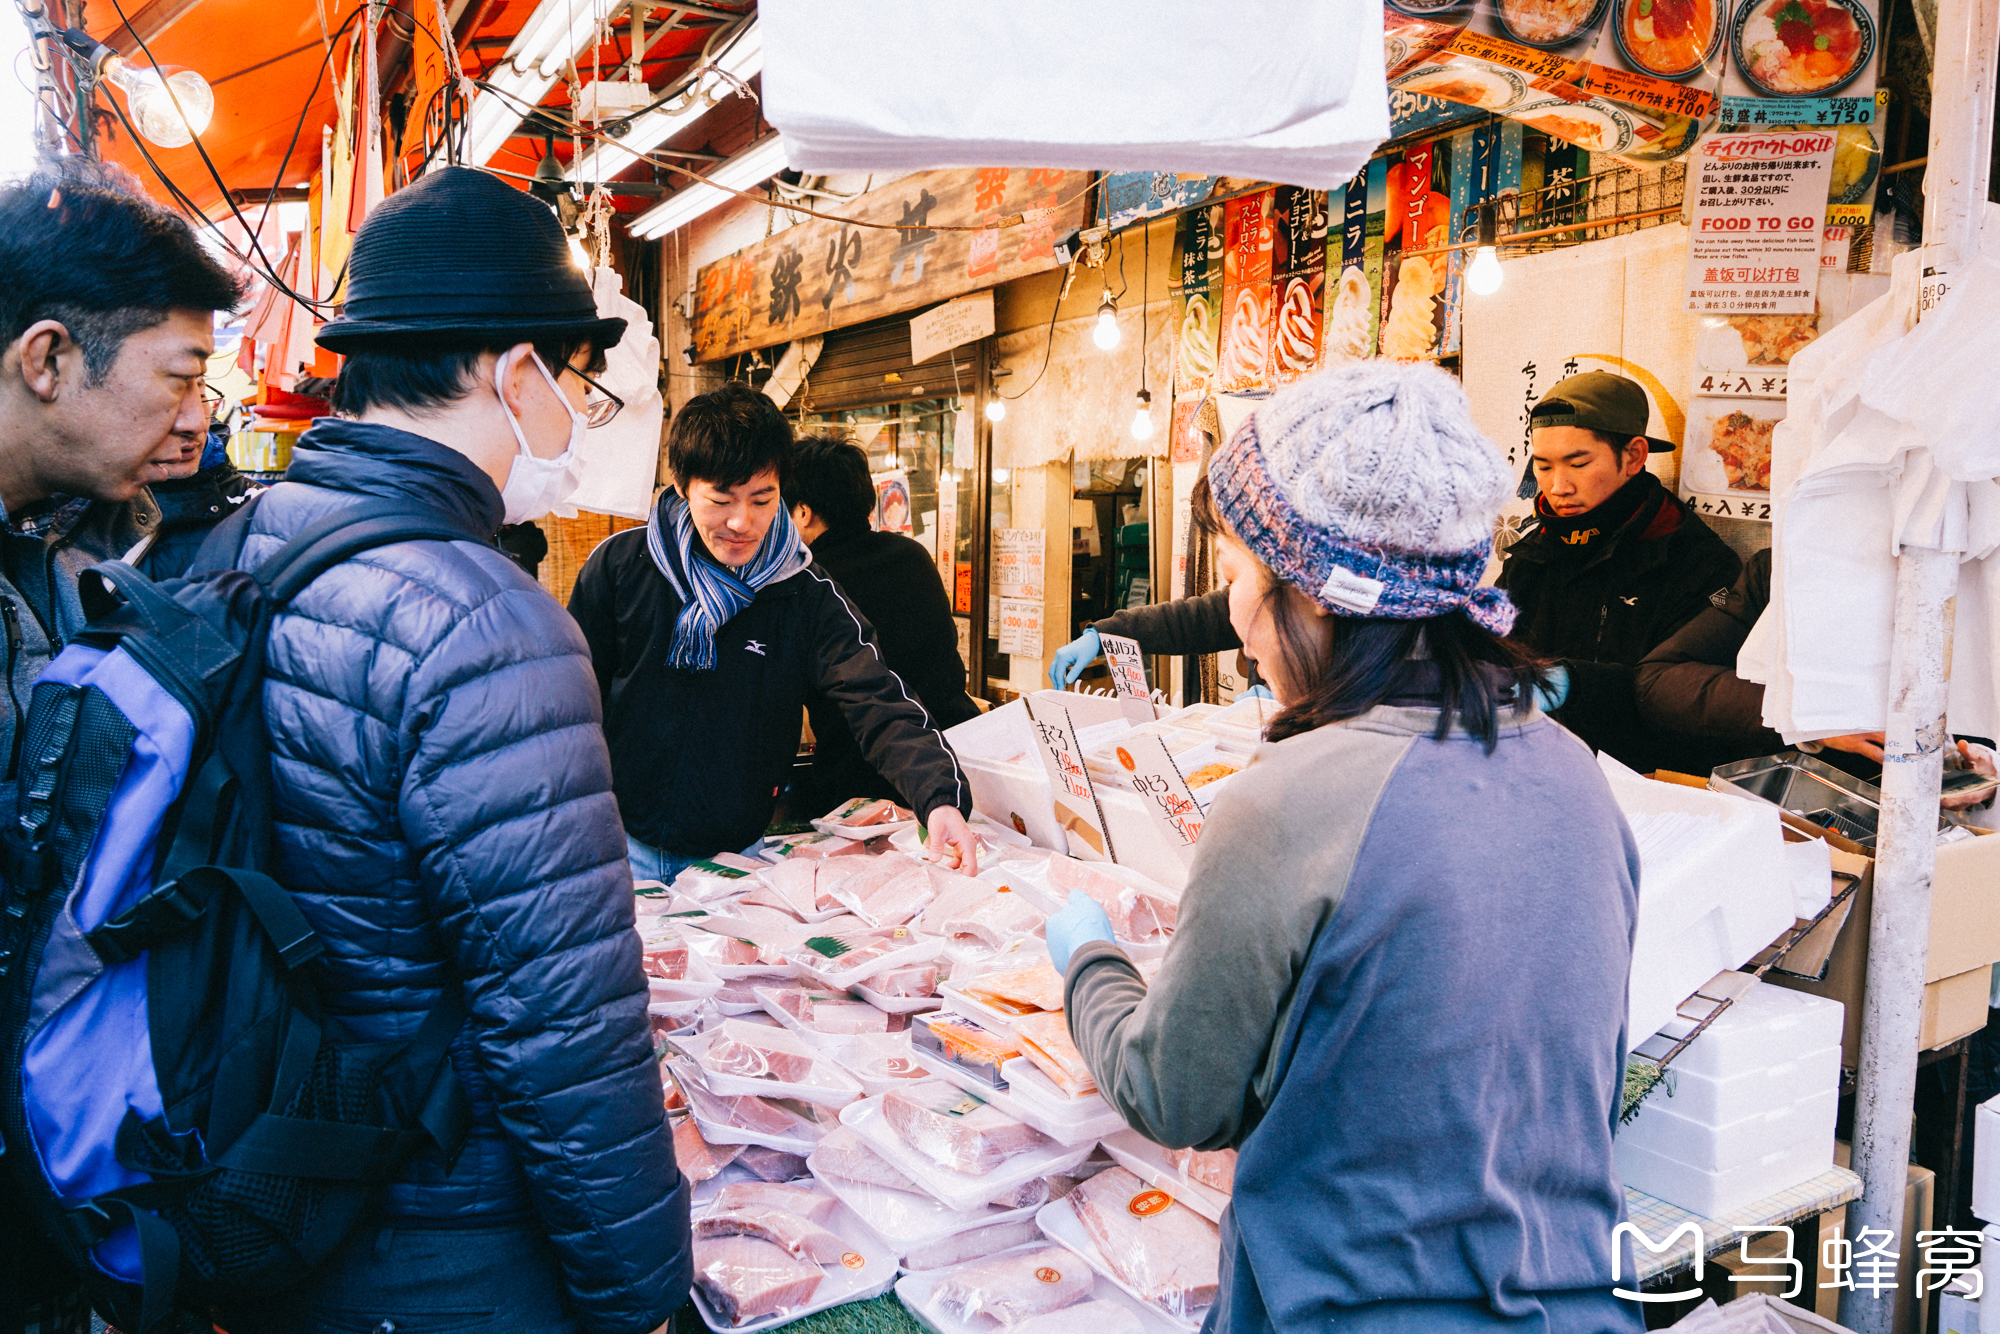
<point x="1079" y="924"/>
<point x="1552" y="695"/>
<point x="1073" y="657"/>
<point x="1256" y="692"/>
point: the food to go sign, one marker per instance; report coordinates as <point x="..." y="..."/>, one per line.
<point x="1758" y="200"/>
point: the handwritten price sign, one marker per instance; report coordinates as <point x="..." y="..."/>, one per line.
<point x="1163" y="791"/>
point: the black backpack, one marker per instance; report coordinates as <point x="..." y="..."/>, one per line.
<point x="174" y="1116"/>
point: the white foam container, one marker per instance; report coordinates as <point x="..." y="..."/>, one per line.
<point x="1717" y="1102"/>
<point x="921" y="949"/>
<point x="956" y="1190"/>
<point x="1719" y="1194"/>
<point x="875" y="1275"/>
<point x="1028" y="1083"/>
<point x="832" y="1087"/>
<point x="1707" y="1147"/>
<point x="915" y="1291"/>
<point x="1766" y="1028"/>
<point x="1065" y="1128"/>
<point x="1060" y="1224"/>
<point x="909" y="1221"/>
<point x="1149" y="1162"/>
<point x="895" y="1004"/>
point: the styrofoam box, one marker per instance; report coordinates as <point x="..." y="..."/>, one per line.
<point x="1763" y="1029"/>
<point x="1719" y="1194"/>
<point x="1715" y="911"/>
<point x="1986" y="1163"/>
<point x="1719" y="1102"/>
<point x="1751" y="1139"/>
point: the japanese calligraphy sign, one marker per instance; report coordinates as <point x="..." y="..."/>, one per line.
<point x="1128" y="676"/>
<point x="1076" y="809"/>
<point x="823" y="275"/>
<point x="1758" y="203"/>
<point x="1163" y="791"/>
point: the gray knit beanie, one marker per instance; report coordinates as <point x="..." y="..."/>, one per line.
<point x="1368" y="487"/>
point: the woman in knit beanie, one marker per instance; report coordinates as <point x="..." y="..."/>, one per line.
<point x="1398" y="986"/>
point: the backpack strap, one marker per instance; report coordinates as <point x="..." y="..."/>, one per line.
<point x="336" y="537"/>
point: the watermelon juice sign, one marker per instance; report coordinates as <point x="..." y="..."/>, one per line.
<point x="1759" y="203"/>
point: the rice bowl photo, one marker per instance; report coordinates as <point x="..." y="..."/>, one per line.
<point x="1669" y="39"/>
<point x="1547" y="24"/>
<point x="1797" y="48"/>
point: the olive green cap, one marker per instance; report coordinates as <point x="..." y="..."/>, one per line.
<point x="1599" y="401"/>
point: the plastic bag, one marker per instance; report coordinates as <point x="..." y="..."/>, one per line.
<point x="956" y="1129"/>
<point x="1015" y="1285"/>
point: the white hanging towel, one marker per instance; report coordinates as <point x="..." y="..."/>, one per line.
<point x="1046" y="83"/>
<point x="1888" y="442"/>
<point x="621" y="459"/>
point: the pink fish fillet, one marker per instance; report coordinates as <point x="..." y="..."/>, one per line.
<point x="888" y="895"/>
<point x="772" y="1164"/>
<point x="1163" y="1250"/>
<point x="980" y="1241"/>
<point x="996" y="918"/>
<point x="803" y="1238"/>
<point x="730" y="1057"/>
<point x="794" y="880"/>
<point x="1014" y="1287"/>
<point x="1134" y="915"/>
<point x="956" y="1129"/>
<point x="804" y="1201"/>
<point x="1215" y="1170"/>
<point x="747" y="1277"/>
<point x="699" y="1159"/>
<point x="844" y="1156"/>
<point x="911" y="980"/>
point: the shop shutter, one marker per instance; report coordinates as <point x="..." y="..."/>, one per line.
<point x="870" y="364"/>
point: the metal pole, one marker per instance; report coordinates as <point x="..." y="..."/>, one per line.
<point x="1962" y="91"/>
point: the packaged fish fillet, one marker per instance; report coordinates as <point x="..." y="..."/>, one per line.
<point x="993" y="917"/>
<point x="977" y="1051"/>
<point x="746" y="1277"/>
<point x="738" y="1057"/>
<point x="1216" y="1170"/>
<point x="973" y="1245"/>
<point x="802" y="1237"/>
<point x="917" y="979"/>
<point x="881" y="1060"/>
<point x="699" y="1159"/>
<point x="889" y="892"/>
<point x="804" y="1201"/>
<point x="1016" y="1285"/>
<point x="841" y="957"/>
<point x="1045" y="1040"/>
<point x="706" y="881"/>
<point x="845" y="1156"/>
<point x="773" y="1165"/>
<point x="813" y="1012"/>
<point x="956" y="1129"/>
<point x="1091" y="1317"/>
<point x="1160" y="1248"/>
<point x="1023" y="991"/>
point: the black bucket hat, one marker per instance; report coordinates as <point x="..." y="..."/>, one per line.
<point x="459" y="256"/>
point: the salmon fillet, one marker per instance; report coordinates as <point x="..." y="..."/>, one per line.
<point x="803" y="1238"/>
<point x="1215" y="1170"/>
<point x="1020" y="990"/>
<point x="746" y="1277"/>
<point x="1014" y="1287"/>
<point x="1163" y="1250"/>
<point x="699" y="1160"/>
<point x="1045" y="1040"/>
<point x="956" y="1129"/>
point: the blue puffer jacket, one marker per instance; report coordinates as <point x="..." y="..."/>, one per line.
<point x="444" y="810"/>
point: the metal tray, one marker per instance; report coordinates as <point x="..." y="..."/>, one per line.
<point x="1809" y="788"/>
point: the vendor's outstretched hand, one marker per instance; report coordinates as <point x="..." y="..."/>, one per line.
<point x="1073" y="657"/>
<point x="1979" y="760"/>
<point x="1868" y="745"/>
<point x="1079" y="924"/>
<point x="951" y="841"/>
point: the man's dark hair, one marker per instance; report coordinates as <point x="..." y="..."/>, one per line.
<point x="727" y="436"/>
<point x="830" y="473"/>
<point x="424" y="377"/>
<point x="79" y="244"/>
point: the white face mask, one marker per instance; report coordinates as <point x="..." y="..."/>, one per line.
<point x="536" y="487"/>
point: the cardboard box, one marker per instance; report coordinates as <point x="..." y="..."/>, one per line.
<point x="1964" y="943"/>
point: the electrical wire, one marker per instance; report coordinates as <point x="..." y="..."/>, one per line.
<point x="1055" y="308"/>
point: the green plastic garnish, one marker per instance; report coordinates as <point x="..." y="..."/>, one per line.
<point x="1792" y="12"/>
<point x="1645" y="8"/>
<point x="829" y="947"/>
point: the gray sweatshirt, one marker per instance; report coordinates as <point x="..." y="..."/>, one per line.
<point x="1399" y="987"/>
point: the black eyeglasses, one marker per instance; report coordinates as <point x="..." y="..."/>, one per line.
<point x="600" y="407"/>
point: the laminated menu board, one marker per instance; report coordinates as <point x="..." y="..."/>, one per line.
<point x="1197" y="300"/>
<point x="1417" y="217"/>
<point x="1354" y="267"/>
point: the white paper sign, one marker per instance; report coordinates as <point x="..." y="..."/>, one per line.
<point x="1759" y="208"/>
<point x="1163" y="790"/>
<point x="1017" y="562"/>
<point x="1076" y="808"/>
<point x="1021" y="627"/>
<point x="947" y="536"/>
<point x="954" y="323"/>
<point x="1128" y="675"/>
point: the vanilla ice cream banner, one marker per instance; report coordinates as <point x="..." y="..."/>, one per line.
<point x="1640" y="80"/>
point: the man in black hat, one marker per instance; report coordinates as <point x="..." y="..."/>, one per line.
<point x="443" y="793"/>
<point x="1613" y="563"/>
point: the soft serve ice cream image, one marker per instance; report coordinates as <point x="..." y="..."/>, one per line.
<point x="1296" y="348"/>
<point x="1411" y="329"/>
<point x="1245" y="342"/>
<point x="1350" y="324"/>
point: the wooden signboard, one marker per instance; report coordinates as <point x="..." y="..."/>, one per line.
<point x="823" y="275"/>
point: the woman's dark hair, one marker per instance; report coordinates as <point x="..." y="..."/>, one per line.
<point x="830" y="473"/>
<point x="727" y="436"/>
<point x="1339" y="667"/>
<point x="420" y="377"/>
<point x="81" y="245"/>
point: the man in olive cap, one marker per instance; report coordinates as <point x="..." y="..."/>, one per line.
<point x="1613" y="564"/>
<point x="443" y="797"/>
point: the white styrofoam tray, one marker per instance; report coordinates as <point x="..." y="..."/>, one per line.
<point x="895" y="1004"/>
<point x="957" y="1190"/>
<point x="914" y="1290"/>
<point x="909" y="1221"/>
<point x="1069" y="1130"/>
<point x="831" y="1086"/>
<point x="844" y="1282"/>
<point x="1149" y="1162"/>
<point x="1060" y="1224"/>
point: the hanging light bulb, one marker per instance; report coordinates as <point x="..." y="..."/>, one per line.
<point x="1105" y="335"/>
<point x="996" y="410"/>
<point x="1484" y="276"/>
<point x="169" y="105"/>
<point x="578" y="255"/>
<point x="1142" y="420"/>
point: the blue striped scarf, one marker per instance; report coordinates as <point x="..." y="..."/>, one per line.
<point x="711" y="593"/>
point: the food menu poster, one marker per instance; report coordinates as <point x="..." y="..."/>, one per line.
<point x="1298" y="287"/>
<point x="1726" y="460"/>
<point x="1247" y="257"/>
<point x="1417" y="217"/>
<point x="1758" y="204"/>
<point x="1354" y="275"/>
<point x="1017" y="562"/>
<point x="1197" y="300"/>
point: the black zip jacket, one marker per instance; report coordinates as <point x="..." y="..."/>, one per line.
<point x="189" y="508"/>
<point x="1198" y="625"/>
<point x="893" y="583"/>
<point x="698" y="758"/>
<point x="1688" y="685"/>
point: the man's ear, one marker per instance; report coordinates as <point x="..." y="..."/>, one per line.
<point x="514" y="384"/>
<point x="1636" y="450"/>
<point x="40" y="350"/>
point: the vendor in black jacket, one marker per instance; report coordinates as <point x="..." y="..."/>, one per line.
<point x="893" y="582"/>
<point x="1613" y="564"/>
<point x="711" y="629"/>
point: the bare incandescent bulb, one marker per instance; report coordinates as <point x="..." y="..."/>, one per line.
<point x="1105" y="335"/>
<point x="169" y="105"/>
<point x="1142" y="420"/>
<point x="1484" y="276"/>
<point x="996" y="410"/>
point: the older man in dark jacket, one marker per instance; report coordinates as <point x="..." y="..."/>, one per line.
<point x="443" y="795"/>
